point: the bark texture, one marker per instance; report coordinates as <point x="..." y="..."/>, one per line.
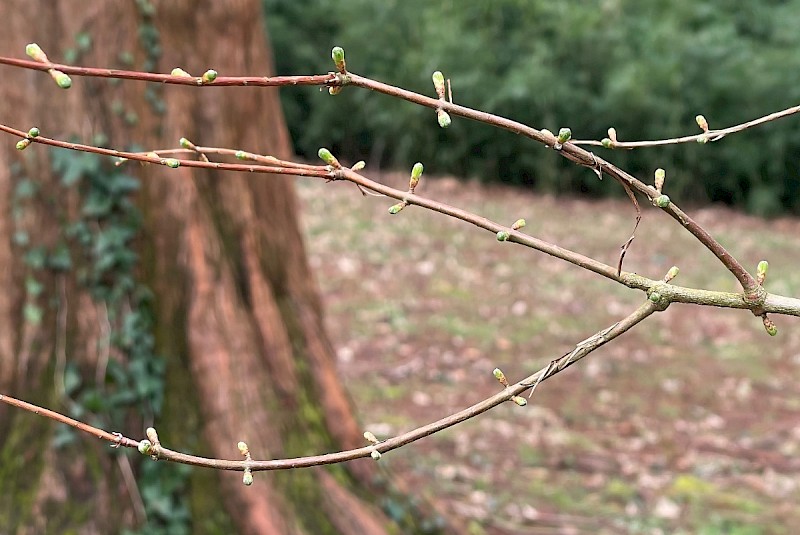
<point x="238" y="316"/>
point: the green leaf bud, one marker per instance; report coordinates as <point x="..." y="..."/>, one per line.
<point x="144" y="447"/>
<point x="417" y="170"/>
<point x="500" y="376"/>
<point x="180" y="73"/>
<point x="33" y="132"/>
<point x="769" y="325"/>
<point x="359" y="165"/>
<point x="564" y="135"/>
<point x="335" y="90"/>
<point x="503" y="235"/>
<point x="376" y="455"/>
<point x="209" y="76"/>
<point x="22" y="144"/>
<point x="62" y="80"/>
<point x="395" y="208"/>
<point x="172" y="162"/>
<point x="518" y="224"/>
<point x="337" y="54"/>
<point x="702" y="123"/>
<point x="36" y="53"/>
<point x="247" y="478"/>
<point x="519" y="401"/>
<point x="241" y="155"/>
<point x="243" y="449"/>
<point x="607" y="143"/>
<point x="662" y="201"/>
<point x="661" y="175"/>
<point x="671" y="274"/>
<point x="416" y="173"/>
<point x="370" y="437"/>
<point x="762" y="268"/>
<point x="185" y="143"/>
<point x="326" y="156"/>
<point x="655" y="297"/>
<point x="438" y="83"/>
<point x="443" y="118"/>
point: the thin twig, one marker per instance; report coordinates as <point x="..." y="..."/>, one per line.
<point x="711" y="135"/>
<point x="160" y="452"/>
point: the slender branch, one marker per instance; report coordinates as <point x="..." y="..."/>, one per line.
<point x="571" y="151"/>
<point x="157" y="451"/>
<point x="312" y="171"/>
<point x="710" y="135"/>
<point x="581" y="157"/>
<point x="769" y="304"/>
<point x="195" y="81"/>
<point x="115" y="438"/>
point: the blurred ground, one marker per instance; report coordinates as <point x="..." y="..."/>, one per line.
<point x="688" y="424"/>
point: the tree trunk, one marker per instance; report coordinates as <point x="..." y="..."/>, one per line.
<point x="232" y="304"/>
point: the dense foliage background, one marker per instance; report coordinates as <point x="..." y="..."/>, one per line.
<point x="646" y="68"/>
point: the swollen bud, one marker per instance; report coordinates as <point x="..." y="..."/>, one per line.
<point x="607" y="143"/>
<point x="22" y="144"/>
<point x="769" y="325"/>
<point x="33" y="132"/>
<point x="564" y="135"/>
<point x="36" y="53"/>
<point x="443" y="118"/>
<point x="661" y="175"/>
<point x="662" y="201"/>
<point x="376" y="455"/>
<point x="671" y="274"/>
<point x="518" y="224"/>
<point x="416" y="173"/>
<point x="209" y="76"/>
<point x="180" y="73"/>
<point x="243" y="449"/>
<point x="62" y="80"/>
<point x="172" y="162"/>
<point x="500" y="376"/>
<point x="370" y="437"/>
<point x="519" y="401"/>
<point x="503" y="235"/>
<point x="326" y="156"/>
<point x="702" y="123"/>
<point x="144" y="447"/>
<point x="185" y="143"/>
<point x="395" y="208"/>
<point x="247" y="478"/>
<point x="761" y="271"/>
<point x="438" y="83"/>
<point x="337" y="54"/>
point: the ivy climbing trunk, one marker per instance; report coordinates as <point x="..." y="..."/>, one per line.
<point x="192" y="309"/>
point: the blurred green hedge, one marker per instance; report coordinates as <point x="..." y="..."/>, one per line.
<point x="645" y="67"/>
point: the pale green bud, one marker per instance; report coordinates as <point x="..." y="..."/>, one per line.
<point x="337" y="54"/>
<point x="564" y="135"/>
<point x="33" y="132"/>
<point x="36" y="53"/>
<point x="662" y="201"/>
<point x="326" y="156"/>
<point x="503" y="235"/>
<point x="209" y="76"/>
<point x="172" y="162"/>
<point x="443" y="117"/>
<point x="376" y="455"/>
<point x="247" y="478"/>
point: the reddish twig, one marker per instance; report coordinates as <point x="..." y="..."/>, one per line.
<point x="157" y="451"/>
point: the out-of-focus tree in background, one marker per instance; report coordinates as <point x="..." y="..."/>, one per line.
<point x="645" y="68"/>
